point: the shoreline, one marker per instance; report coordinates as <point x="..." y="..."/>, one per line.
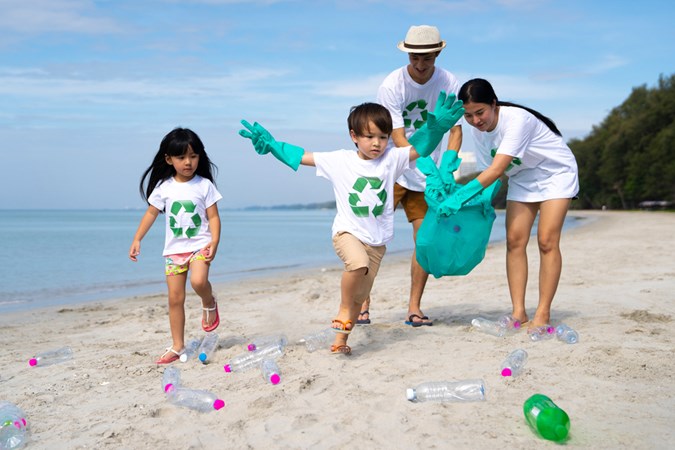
<point x="616" y="384"/>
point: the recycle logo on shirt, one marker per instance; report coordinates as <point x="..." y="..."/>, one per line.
<point x="422" y="106"/>
<point x="355" y="198"/>
<point x="515" y="161"/>
<point x="184" y="220"/>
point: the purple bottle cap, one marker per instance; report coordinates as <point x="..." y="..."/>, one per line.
<point x="251" y="347"/>
<point x="227" y="368"/>
<point x="506" y="372"/>
<point x="32" y="362"/>
<point x="218" y="404"/>
<point x="275" y="378"/>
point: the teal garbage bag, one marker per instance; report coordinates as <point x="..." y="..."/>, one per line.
<point x="455" y="244"/>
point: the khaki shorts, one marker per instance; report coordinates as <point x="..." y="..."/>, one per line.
<point x="180" y="263"/>
<point x="356" y="255"/>
<point x="413" y="202"/>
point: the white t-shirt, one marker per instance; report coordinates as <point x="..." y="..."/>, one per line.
<point x="543" y="166"/>
<point x="184" y="205"/>
<point x="408" y="102"/>
<point x="364" y="191"/>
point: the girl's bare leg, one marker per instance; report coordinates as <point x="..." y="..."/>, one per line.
<point x="551" y="218"/>
<point x="199" y="279"/>
<point x="176" y="285"/>
<point x="519" y="220"/>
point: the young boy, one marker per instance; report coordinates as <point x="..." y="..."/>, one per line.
<point x="363" y="183"/>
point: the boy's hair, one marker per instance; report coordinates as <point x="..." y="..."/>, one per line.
<point x="360" y="117"/>
<point x="176" y="143"/>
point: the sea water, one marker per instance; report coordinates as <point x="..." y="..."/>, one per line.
<point x="56" y="257"/>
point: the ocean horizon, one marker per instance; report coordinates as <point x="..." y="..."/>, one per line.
<point x="64" y="257"/>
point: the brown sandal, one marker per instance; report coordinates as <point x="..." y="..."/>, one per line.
<point x="342" y="326"/>
<point x="343" y="349"/>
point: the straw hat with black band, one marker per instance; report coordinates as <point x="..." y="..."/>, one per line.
<point x="422" y="39"/>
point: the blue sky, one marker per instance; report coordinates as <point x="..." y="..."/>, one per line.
<point x="88" y="88"/>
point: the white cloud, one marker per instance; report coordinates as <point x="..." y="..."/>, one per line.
<point x="47" y="16"/>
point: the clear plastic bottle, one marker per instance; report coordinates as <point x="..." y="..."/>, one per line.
<point x="566" y="334"/>
<point x="170" y="378"/>
<point x="448" y="391"/>
<point x="270" y="371"/>
<point x="264" y="341"/>
<point x="545" y="418"/>
<point x="208" y="346"/>
<point x="190" y="349"/>
<point x="199" y="400"/>
<point x="318" y="339"/>
<point x="514" y="363"/>
<point x="488" y="326"/>
<point x="13" y="426"/>
<point x="50" y="357"/>
<point x="249" y="360"/>
<point x="542" y="333"/>
<point x="509" y="322"/>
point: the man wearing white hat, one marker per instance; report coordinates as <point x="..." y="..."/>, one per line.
<point x="409" y="93"/>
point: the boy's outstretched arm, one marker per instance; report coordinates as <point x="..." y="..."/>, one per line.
<point x="446" y="114"/>
<point x="264" y="143"/>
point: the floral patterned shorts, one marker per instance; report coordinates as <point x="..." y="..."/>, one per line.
<point x="180" y="263"/>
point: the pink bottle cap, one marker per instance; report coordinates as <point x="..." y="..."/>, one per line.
<point x="506" y="372"/>
<point x="251" y="347"/>
<point x="168" y="387"/>
<point x="550" y="330"/>
<point x="227" y="368"/>
<point x="516" y="324"/>
<point x="32" y="362"/>
<point x="218" y="404"/>
<point x="275" y="378"/>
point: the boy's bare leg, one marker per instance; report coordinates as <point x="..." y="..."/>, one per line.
<point x="418" y="281"/>
<point x="354" y="289"/>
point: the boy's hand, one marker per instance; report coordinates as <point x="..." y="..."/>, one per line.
<point x="261" y="138"/>
<point x="264" y="143"/>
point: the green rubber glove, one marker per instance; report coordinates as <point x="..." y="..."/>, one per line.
<point x="446" y="114"/>
<point x="264" y="143"/>
<point x="459" y="198"/>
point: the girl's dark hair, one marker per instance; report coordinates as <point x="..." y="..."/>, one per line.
<point x="479" y="90"/>
<point x="176" y="143"/>
<point x="360" y="117"/>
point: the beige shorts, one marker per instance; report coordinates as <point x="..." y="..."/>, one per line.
<point x="356" y="255"/>
<point x="413" y="202"/>
<point x="180" y="262"/>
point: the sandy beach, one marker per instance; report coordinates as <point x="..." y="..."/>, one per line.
<point x="617" y="384"/>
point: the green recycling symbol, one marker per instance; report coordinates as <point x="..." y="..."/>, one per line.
<point x="177" y="208"/>
<point x="422" y="106"/>
<point x="359" y="186"/>
<point x="515" y="161"/>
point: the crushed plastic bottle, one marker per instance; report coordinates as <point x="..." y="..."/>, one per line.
<point x="14" y="431"/>
<point x="264" y="341"/>
<point x="542" y="333"/>
<point x="566" y="334"/>
<point x="190" y="349"/>
<point x="207" y="347"/>
<point x="50" y="357"/>
<point x="249" y="360"/>
<point x="448" y="391"/>
<point x="318" y="339"/>
<point x="514" y="363"/>
<point x="488" y="326"/>
<point x="199" y="400"/>
<point x="270" y="371"/>
<point x="509" y="322"/>
<point x="545" y="418"/>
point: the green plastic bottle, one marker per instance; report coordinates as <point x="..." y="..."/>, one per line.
<point x="546" y="418"/>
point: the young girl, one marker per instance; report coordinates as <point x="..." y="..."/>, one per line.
<point x="180" y="184"/>
<point x="363" y="184"/>
<point x="542" y="171"/>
